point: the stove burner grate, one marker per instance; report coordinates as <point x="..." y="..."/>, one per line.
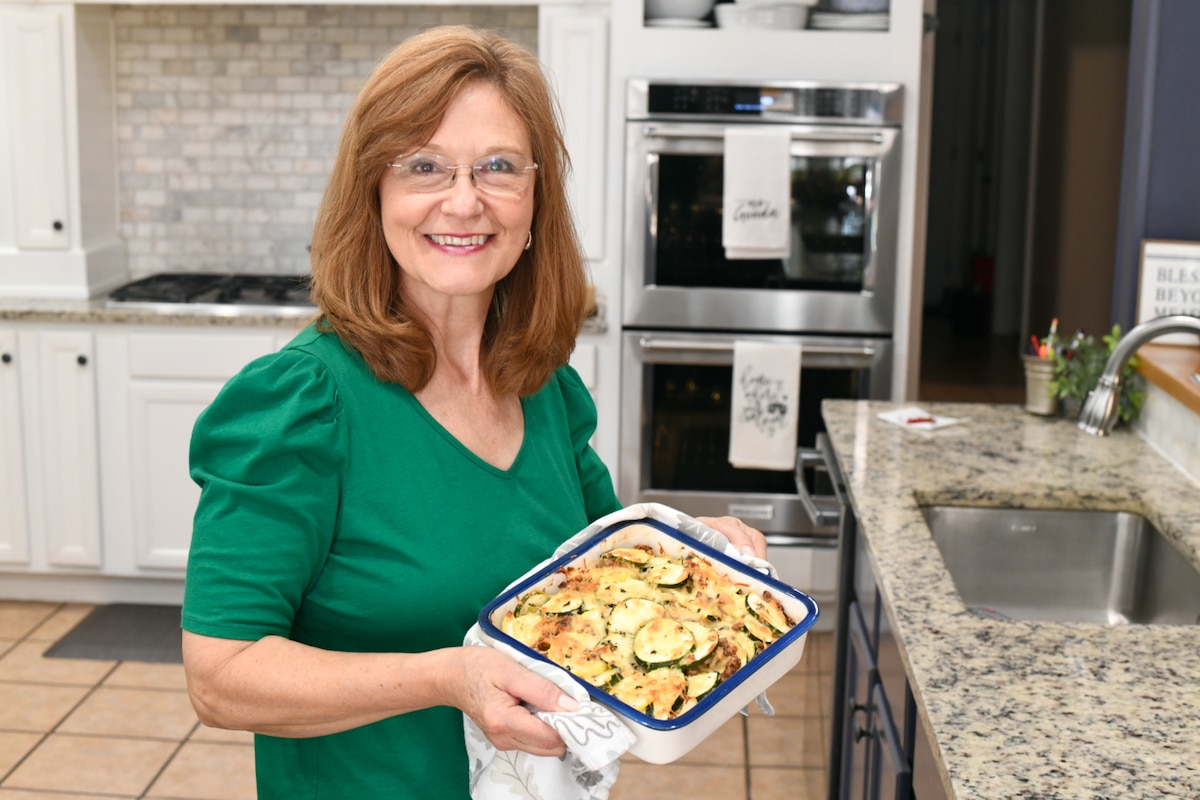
<point x="217" y="289"/>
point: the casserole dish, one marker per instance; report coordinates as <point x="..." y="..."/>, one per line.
<point x="661" y="741"/>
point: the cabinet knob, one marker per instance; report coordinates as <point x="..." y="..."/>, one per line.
<point x="58" y="226"/>
<point x="6" y="358"/>
<point x="82" y="360"/>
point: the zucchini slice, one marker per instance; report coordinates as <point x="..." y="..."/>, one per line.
<point x="531" y="603"/>
<point x="631" y="555"/>
<point x="759" y="629"/>
<point x="768" y="610"/>
<point x="706" y="642"/>
<point x="701" y="684"/>
<point x="668" y="573"/>
<point x="630" y="615"/>
<point x="562" y="603"/>
<point x="662" y="642"/>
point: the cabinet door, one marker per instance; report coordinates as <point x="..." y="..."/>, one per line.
<point x="14" y="523"/>
<point x="71" y="499"/>
<point x="170" y="378"/>
<point x="163" y="414"/>
<point x="891" y="773"/>
<point x="856" y="711"/>
<point x="32" y="60"/>
<point x="573" y="43"/>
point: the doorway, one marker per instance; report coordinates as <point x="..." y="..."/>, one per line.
<point x="1025" y="168"/>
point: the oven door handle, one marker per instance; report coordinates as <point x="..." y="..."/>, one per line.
<point x="648" y="343"/>
<point x="820" y="510"/>
<point x="797" y="136"/>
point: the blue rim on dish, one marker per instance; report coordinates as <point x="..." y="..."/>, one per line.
<point x="599" y="695"/>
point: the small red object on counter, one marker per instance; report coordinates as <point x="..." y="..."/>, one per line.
<point x="918" y="420"/>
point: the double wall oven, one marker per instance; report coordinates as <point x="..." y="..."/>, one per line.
<point x="686" y="305"/>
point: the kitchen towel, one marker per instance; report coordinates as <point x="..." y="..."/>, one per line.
<point x="594" y="736"/>
<point x="765" y="405"/>
<point x="756" y="220"/>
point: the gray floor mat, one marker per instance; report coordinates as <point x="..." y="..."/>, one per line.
<point x="124" y="632"/>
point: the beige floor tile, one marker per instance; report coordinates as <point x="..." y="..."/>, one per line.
<point x="60" y="623"/>
<point x="6" y="645"/>
<point x="64" y="763"/>
<point x="25" y="662"/>
<point x="787" y="741"/>
<point x="203" y="733"/>
<point x="205" y="771"/>
<point x="770" y="783"/>
<point x="640" y="781"/>
<point x="147" y="713"/>
<point x="14" y="746"/>
<point x="725" y="747"/>
<point x="17" y="619"/>
<point x="141" y="675"/>
<point x="36" y="708"/>
<point x="18" y="794"/>
<point x="823" y="654"/>
<point x="797" y="694"/>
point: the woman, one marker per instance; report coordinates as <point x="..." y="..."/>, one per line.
<point x="369" y="488"/>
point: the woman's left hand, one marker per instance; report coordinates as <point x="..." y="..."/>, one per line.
<point x="746" y="539"/>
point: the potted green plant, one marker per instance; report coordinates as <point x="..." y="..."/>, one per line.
<point x="1078" y="365"/>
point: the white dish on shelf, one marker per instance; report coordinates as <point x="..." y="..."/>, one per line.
<point x="751" y="16"/>
<point x="678" y="9"/>
<point x="666" y="22"/>
<point x="843" y="21"/>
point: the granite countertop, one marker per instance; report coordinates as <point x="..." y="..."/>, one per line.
<point x="1027" y="709"/>
<point x="95" y="311"/>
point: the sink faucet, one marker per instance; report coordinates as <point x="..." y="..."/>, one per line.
<point x="1099" y="412"/>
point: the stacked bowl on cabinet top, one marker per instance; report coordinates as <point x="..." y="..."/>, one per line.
<point x="769" y="14"/>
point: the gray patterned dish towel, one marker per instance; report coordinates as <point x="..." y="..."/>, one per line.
<point x="595" y="737"/>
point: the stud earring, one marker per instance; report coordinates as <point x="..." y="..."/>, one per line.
<point x="529" y="241"/>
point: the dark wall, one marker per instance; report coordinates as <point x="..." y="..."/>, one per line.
<point x="1160" y="198"/>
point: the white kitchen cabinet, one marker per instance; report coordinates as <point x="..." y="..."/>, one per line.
<point x="573" y="44"/>
<point x="154" y="386"/>
<point x="14" y="523"/>
<point x="59" y="233"/>
<point x="60" y="410"/>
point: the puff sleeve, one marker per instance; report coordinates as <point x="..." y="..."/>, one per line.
<point x="269" y="456"/>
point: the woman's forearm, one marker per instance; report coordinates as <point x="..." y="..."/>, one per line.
<point x="283" y="688"/>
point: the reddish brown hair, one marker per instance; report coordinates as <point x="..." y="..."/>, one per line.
<point x="538" y="308"/>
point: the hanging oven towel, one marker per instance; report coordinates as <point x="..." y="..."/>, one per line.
<point x="756" y="220"/>
<point x="766" y="405"/>
<point x="595" y="737"/>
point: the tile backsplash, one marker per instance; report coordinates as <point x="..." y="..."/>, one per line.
<point x="1173" y="428"/>
<point x="229" y="116"/>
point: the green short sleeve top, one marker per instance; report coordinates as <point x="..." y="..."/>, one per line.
<point x="337" y="512"/>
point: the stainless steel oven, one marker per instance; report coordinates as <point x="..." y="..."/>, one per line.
<point x="845" y="172"/>
<point x="676" y="421"/>
<point x="675" y="433"/>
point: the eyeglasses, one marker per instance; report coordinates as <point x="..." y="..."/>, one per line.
<point x="497" y="174"/>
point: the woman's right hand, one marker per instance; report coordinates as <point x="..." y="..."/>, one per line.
<point x="492" y="688"/>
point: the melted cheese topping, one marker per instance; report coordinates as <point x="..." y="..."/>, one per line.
<point x="588" y="623"/>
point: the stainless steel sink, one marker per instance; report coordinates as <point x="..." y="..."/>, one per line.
<point x="1065" y="565"/>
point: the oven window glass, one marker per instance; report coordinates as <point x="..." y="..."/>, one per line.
<point x="689" y="422"/>
<point x="830" y="227"/>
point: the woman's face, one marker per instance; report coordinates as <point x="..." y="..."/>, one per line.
<point x="458" y="241"/>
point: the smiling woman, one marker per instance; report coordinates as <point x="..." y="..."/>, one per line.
<point x="333" y="473"/>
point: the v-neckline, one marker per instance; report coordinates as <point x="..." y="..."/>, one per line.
<point x="468" y="452"/>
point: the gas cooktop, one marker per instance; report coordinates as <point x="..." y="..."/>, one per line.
<point x="217" y="293"/>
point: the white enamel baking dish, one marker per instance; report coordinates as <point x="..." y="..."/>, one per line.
<point x="664" y="741"/>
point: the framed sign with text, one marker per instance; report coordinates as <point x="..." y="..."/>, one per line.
<point x="1169" y="283"/>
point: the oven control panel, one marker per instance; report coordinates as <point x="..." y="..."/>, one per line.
<point x="772" y="102"/>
